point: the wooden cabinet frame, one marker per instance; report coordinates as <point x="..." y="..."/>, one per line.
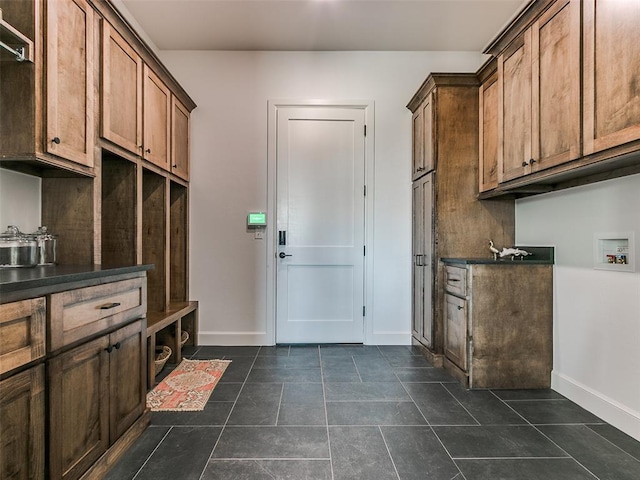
<point x="585" y="116"/>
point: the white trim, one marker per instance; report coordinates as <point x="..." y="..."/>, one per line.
<point x="390" y="338"/>
<point x="600" y="405"/>
<point x="232" y="338"/>
<point x="369" y="166"/>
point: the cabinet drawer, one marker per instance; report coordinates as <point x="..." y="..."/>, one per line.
<point x="22" y="330"/>
<point x="456" y="280"/>
<point x="81" y="313"/>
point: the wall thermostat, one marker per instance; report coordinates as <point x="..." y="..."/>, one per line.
<point x="257" y="220"/>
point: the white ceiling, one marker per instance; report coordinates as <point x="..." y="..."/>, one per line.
<point x="302" y="25"/>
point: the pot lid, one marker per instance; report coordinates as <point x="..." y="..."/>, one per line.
<point x="13" y="236"/>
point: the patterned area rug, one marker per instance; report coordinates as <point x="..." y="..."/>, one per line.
<point x="188" y="387"/>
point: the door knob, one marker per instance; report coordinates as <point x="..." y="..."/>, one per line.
<point x="282" y="255"/>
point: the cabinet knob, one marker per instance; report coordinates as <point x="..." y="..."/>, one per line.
<point x="420" y="169"/>
<point x="460" y="307"/>
<point x="148" y="150"/>
<point x="524" y="164"/>
<point x="56" y="140"/>
<point x="117" y="345"/>
<point x="532" y="161"/>
<point x="175" y="165"/>
<point x="109" y="349"/>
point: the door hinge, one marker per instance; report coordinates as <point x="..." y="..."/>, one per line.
<point x="364" y="310"/>
<point x="365" y="190"/>
<point x="364" y="250"/>
<point x="365" y="130"/>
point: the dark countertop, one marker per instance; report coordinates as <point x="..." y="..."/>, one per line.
<point x="17" y="279"/>
<point x="539" y="256"/>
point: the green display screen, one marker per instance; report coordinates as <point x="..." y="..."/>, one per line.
<point x="257" y="219"/>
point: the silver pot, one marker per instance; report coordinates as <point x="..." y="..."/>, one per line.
<point x="47" y="243"/>
<point x="17" y="249"/>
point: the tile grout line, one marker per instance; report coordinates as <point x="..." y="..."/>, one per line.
<point x="326" y="414"/>
<point x="384" y="440"/>
<point x="534" y="426"/>
<point x="230" y="412"/>
<point x="152" y="452"/>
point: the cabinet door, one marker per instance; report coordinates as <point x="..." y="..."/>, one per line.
<point x="429" y="135"/>
<point x="455" y="330"/>
<point x="69" y="81"/>
<point x="611" y="66"/>
<point x="488" y="134"/>
<point x="556" y="120"/>
<point x="157" y="110"/>
<point x="22" y="421"/>
<point x="514" y="109"/>
<point x="128" y="377"/>
<point x="422" y="260"/>
<point x="424" y="137"/>
<point x="418" y="144"/>
<point x="22" y="330"/>
<point x="179" y="139"/>
<point x="78" y="408"/>
<point x="121" y="91"/>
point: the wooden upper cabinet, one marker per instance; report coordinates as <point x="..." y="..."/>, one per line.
<point x="121" y="92"/>
<point x="157" y="119"/>
<point x="539" y="94"/>
<point x="611" y="65"/>
<point x="514" y="107"/>
<point x="418" y="144"/>
<point x="556" y="85"/>
<point x="180" y="144"/>
<point x="488" y="128"/>
<point x="424" y="137"/>
<point x="69" y="81"/>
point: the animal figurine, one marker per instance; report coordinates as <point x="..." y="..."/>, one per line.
<point x="494" y="250"/>
<point x="513" y="252"/>
<point x="507" y="252"/>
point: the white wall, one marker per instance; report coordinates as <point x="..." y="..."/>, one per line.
<point x="596" y="312"/>
<point x="229" y="173"/>
<point x="19" y="201"/>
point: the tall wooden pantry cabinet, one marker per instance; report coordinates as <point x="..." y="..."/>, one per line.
<point x="448" y="219"/>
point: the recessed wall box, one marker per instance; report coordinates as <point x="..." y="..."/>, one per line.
<point x="614" y="251"/>
<point x="257" y="220"/>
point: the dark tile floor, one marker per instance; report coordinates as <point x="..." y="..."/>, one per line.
<point x="372" y="413"/>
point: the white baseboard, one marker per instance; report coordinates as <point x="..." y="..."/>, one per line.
<point x="618" y="415"/>
<point x="232" y="339"/>
<point x="389" y="338"/>
<point x="261" y="338"/>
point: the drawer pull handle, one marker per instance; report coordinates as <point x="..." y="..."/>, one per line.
<point x="109" y="306"/>
<point x="454" y="279"/>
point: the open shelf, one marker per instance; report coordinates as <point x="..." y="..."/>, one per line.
<point x="119" y="180"/>
<point x="67" y="211"/>
<point x="178" y="241"/>
<point x="154" y="238"/>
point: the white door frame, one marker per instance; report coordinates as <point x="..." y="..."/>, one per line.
<point x="369" y="174"/>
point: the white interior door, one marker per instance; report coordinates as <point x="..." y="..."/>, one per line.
<point x="320" y="156"/>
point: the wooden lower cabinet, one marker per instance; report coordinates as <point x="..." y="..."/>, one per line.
<point x="499" y="325"/>
<point x="22" y="419"/>
<point x="97" y="391"/>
